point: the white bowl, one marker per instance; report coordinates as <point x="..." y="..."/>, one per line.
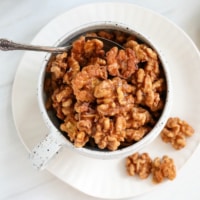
<point x="55" y="140"/>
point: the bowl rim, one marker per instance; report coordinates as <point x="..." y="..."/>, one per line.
<point x="154" y="132"/>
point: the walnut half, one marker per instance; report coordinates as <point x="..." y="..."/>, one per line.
<point x="163" y="168"/>
<point x="139" y="164"/>
<point x="176" y="131"/>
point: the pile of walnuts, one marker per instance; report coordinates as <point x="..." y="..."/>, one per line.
<point x="175" y="133"/>
<point x="106" y="98"/>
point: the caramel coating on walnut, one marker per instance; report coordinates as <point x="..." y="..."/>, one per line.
<point x="110" y="133"/>
<point x="143" y="166"/>
<point x="163" y="168"/>
<point x="111" y="99"/>
<point x="139" y="164"/>
<point x="176" y="131"/>
<point x="121" y="63"/>
<point x="86" y="80"/>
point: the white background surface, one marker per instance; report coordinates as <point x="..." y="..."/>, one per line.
<point x="20" y="20"/>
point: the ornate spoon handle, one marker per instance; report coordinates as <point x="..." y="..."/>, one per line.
<point x="7" y="45"/>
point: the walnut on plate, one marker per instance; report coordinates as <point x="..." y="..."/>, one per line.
<point x="139" y="164"/>
<point x="143" y="166"/>
<point x="163" y="168"/>
<point x="176" y="131"/>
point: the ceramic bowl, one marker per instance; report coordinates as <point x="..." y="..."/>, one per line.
<point x="55" y="139"/>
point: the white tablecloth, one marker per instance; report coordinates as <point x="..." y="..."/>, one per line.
<point x="20" y="20"/>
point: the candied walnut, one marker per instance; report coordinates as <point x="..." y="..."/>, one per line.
<point x="109" y="134"/>
<point x="114" y="96"/>
<point x="139" y="164"/>
<point x="147" y="57"/>
<point x="62" y="94"/>
<point x="138" y="117"/>
<point x="77" y="51"/>
<point x="108" y="109"/>
<point x="149" y="93"/>
<point x="159" y="85"/>
<point x="163" y="168"/>
<point x="120" y="124"/>
<point x="74" y="68"/>
<point x="175" y="132"/>
<point x="140" y="54"/>
<point x="85" y="81"/>
<point x="81" y="107"/>
<point x="106" y="35"/>
<point x="136" y="134"/>
<point x="143" y="52"/>
<point x="79" y="138"/>
<point x="85" y="111"/>
<point x="93" y="47"/>
<point x="82" y="50"/>
<point x="62" y="101"/>
<point x="121" y="63"/>
<point x="123" y="92"/>
<point x="140" y="75"/>
<point x="97" y="61"/>
<point x="111" y="106"/>
<point x="58" y="66"/>
<point x="179" y="142"/>
<point x="104" y="89"/>
<point x="70" y="127"/>
<point x="85" y="126"/>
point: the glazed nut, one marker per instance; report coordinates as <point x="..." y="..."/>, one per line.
<point x="140" y="165"/>
<point x="163" y="168"/>
<point x="175" y="132"/>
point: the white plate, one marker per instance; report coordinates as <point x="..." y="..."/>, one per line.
<point x="108" y="178"/>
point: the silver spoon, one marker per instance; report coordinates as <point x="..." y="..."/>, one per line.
<point x="7" y="45"/>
